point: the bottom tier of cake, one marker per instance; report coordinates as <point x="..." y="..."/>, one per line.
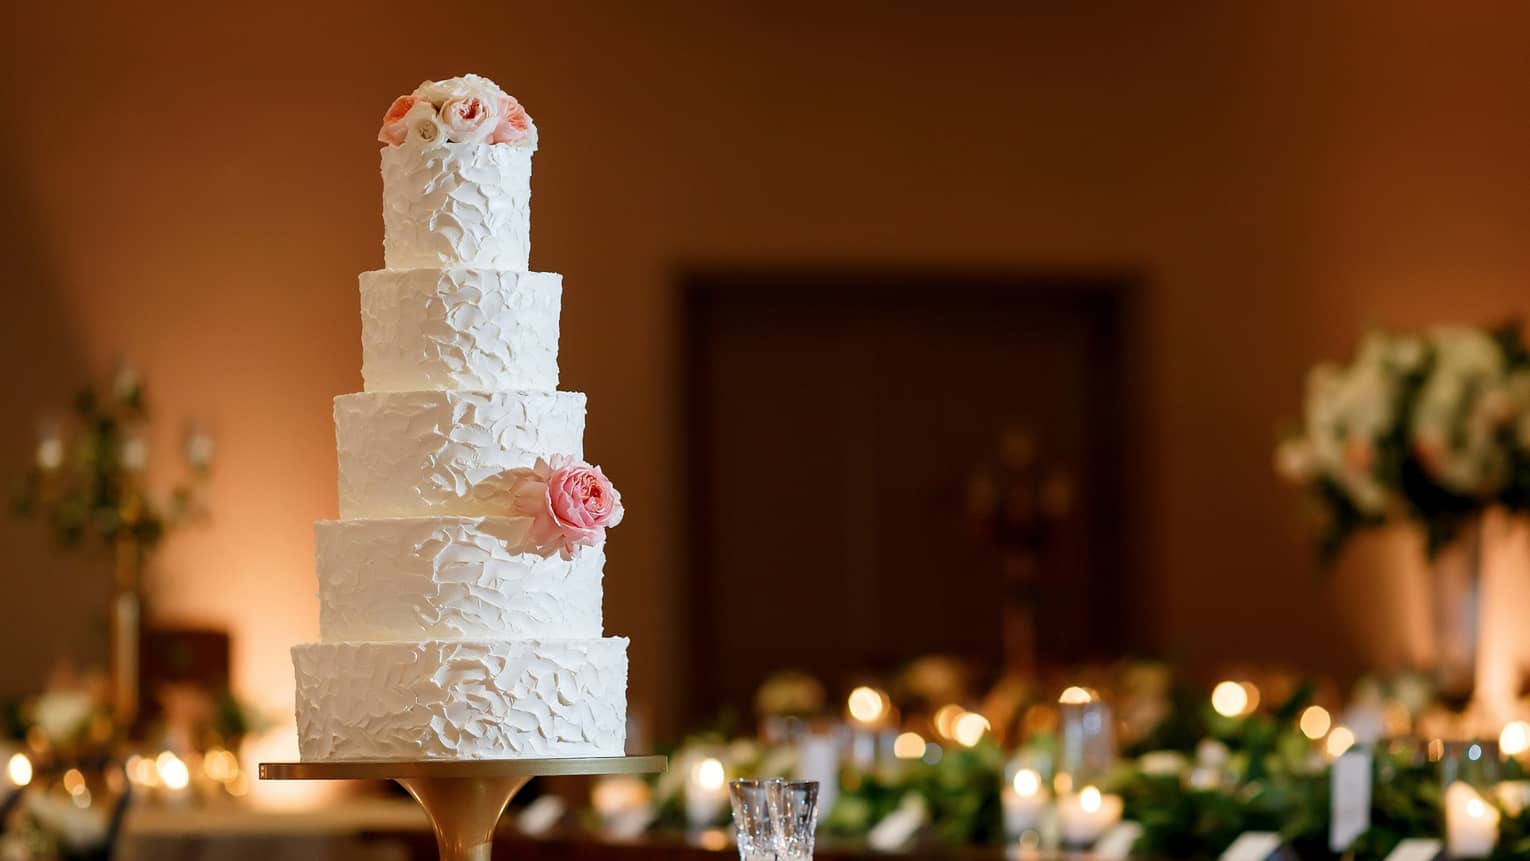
<point x="462" y="699"/>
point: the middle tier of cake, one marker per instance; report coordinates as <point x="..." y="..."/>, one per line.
<point x="450" y="578"/>
<point x="408" y="454"/>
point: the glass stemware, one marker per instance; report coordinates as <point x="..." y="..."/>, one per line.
<point x="795" y="810"/>
<point x="759" y="837"/>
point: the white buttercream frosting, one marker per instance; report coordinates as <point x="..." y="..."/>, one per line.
<point x="445" y="635"/>
<point x="462" y="699"/>
<point x="450" y="578"/>
<point x="456" y="204"/>
<point x="460" y="328"/>
<point x="408" y="454"/>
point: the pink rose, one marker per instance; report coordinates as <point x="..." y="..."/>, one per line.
<point x="570" y="504"/>
<point x="469" y="119"/>
<point x="583" y="498"/>
<point x="394" y="129"/>
<point x="514" y="125"/>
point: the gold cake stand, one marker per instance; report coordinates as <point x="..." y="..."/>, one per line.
<point x="462" y="799"/>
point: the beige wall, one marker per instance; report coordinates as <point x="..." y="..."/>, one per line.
<point x="197" y="188"/>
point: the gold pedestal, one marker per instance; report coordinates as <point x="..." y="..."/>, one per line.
<point x="462" y="799"/>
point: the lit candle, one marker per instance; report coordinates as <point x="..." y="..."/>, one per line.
<point x="868" y="710"/>
<point x="1084" y="816"/>
<point x="175" y="776"/>
<point x="1471" y="824"/>
<point x="706" y="792"/>
<point x="867" y="707"/>
<point x="1024" y="803"/>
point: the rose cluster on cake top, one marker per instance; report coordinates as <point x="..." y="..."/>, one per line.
<point x="468" y="109"/>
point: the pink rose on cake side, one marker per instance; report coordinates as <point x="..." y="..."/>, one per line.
<point x="569" y="502"/>
<point x="514" y="124"/>
<point x="394" y="125"/>
<point x="470" y="119"/>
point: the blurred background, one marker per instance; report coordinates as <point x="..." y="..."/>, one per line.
<point x="909" y="329"/>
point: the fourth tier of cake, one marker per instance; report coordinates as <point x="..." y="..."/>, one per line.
<point x="458" y="618"/>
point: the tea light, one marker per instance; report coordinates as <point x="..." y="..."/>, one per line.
<point x="706" y="792"/>
<point x="1024" y="803"/>
<point x="616" y="796"/>
<point x="1471" y="824"/>
<point x="1084" y="816"/>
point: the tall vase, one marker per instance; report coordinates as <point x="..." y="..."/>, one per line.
<point x="127" y="623"/>
<point x="1456" y="582"/>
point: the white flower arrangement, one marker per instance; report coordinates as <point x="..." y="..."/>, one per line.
<point x="1432" y="427"/>
<point x="469" y="109"/>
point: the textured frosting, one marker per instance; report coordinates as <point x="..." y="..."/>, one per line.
<point x="450" y="578"/>
<point x="407" y="454"/>
<point x="456" y="204"/>
<point x="462" y="699"/>
<point x="442" y="636"/>
<point x="460" y="328"/>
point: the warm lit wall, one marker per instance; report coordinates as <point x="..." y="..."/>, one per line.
<point x="197" y="188"/>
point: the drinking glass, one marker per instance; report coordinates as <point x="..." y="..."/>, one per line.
<point x="795" y="810"/>
<point x="754" y="805"/>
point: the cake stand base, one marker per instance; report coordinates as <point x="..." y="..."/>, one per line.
<point x="462" y="799"/>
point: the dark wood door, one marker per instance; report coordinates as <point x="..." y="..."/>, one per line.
<point x="834" y="424"/>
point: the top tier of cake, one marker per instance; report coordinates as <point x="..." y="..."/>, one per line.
<point x="455" y="205"/>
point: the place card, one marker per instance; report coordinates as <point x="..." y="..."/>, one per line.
<point x="541" y="815"/>
<point x="630" y="824"/>
<point x="1118" y="841"/>
<point x="1253" y="846"/>
<point x="898" y="827"/>
<point x="1351" y="797"/>
<point x="1416" y="849"/>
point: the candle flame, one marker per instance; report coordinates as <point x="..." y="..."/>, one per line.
<point x="909" y="745"/>
<point x="19" y="770"/>
<point x="1076" y="696"/>
<point x="867" y="705"/>
<point x="1315" y="722"/>
<point x="1515" y="738"/>
<point x="1230" y="699"/>
<point x="710" y="774"/>
<point x="1027" y="782"/>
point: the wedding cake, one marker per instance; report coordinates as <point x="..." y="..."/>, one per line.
<point x="460" y="590"/>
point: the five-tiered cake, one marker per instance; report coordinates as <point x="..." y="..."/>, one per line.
<point x="460" y="590"/>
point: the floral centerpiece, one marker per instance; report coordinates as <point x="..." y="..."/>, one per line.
<point x="1434" y="428"/>
<point x="88" y="486"/>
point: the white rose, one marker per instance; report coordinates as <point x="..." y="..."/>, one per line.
<point x="1163" y="763"/>
<point x="423" y="125"/>
<point x="439" y="93"/>
<point x="1211" y="753"/>
<point x="1204" y="779"/>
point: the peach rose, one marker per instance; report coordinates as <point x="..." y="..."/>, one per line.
<point x="514" y="124"/>
<point x="394" y="128"/>
<point x="469" y="120"/>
